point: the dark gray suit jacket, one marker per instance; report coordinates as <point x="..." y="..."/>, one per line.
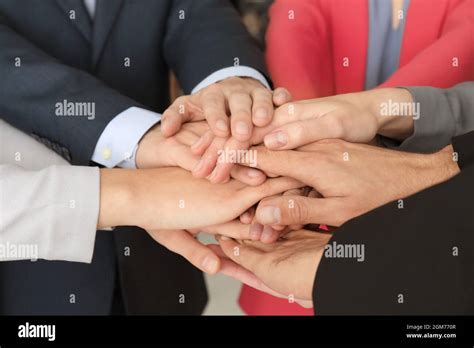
<point x="49" y="54"/>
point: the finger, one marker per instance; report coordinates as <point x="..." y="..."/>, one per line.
<point x="297" y="210"/>
<point x="238" y="230"/>
<point x="203" y="143"/>
<point x="269" y="235"/>
<point x="293" y="164"/>
<point x="244" y="255"/>
<point x="173" y="117"/>
<point x="247" y="217"/>
<point x="232" y="229"/>
<point x="256" y="231"/>
<point x="184" y="244"/>
<point x="278" y="227"/>
<point x="304" y="191"/>
<point x="249" y="176"/>
<point x="281" y="96"/>
<point x="262" y="107"/>
<point x="269" y="188"/>
<point x="232" y="152"/>
<point x="198" y="128"/>
<point x="209" y="159"/>
<point x="240" y="106"/>
<point x="295" y="227"/>
<point x="213" y="106"/>
<point x="216" y="249"/>
<point x="237" y="272"/>
<point x="295" y="134"/>
<point x="186" y="159"/>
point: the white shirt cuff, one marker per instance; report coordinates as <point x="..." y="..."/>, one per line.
<point x="118" y="143"/>
<point x="240" y="71"/>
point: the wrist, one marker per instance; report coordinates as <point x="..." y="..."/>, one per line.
<point x="116" y="195"/>
<point x="393" y="111"/>
<point x="444" y="166"/>
<point x="150" y="150"/>
<point x="431" y="169"/>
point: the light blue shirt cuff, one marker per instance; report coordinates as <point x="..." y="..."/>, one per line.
<point x="118" y="143"/>
<point x="240" y="71"/>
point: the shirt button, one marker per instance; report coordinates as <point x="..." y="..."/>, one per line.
<point x="106" y="153"/>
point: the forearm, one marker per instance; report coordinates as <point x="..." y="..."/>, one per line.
<point x="115" y="198"/>
<point x="393" y="110"/>
<point x="420" y="262"/>
<point x="422" y="119"/>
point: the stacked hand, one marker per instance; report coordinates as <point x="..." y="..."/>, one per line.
<point x="313" y="166"/>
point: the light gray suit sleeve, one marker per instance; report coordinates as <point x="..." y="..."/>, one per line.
<point x="48" y="214"/>
<point x="444" y="114"/>
<point x="48" y="209"/>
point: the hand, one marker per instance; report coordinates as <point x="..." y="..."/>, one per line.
<point x="267" y="233"/>
<point x="352" y="178"/>
<point x="247" y="100"/>
<point x="184" y="243"/>
<point x="213" y="164"/>
<point x="156" y="151"/>
<point x="170" y="198"/>
<point x="354" y="117"/>
<point x="271" y="267"/>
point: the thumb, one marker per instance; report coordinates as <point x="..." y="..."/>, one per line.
<point x="299" y="210"/>
<point x="181" y="111"/>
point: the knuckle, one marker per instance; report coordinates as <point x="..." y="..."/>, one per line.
<point x="262" y="93"/>
<point x="180" y="100"/>
<point x="337" y="125"/>
<point x="213" y="88"/>
<point x="195" y="256"/>
<point x="299" y="132"/>
<point x="211" y="97"/>
<point x="299" y="212"/>
<point x="238" y="94"/>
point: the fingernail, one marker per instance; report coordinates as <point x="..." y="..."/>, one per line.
<point x="253" y="173"/>
<point x="261" y="113"/>
<point x="255" y="231"/>
<point x="269" y="215"/>
<point x="242" y="128"/>
<point x="245" y="216"/>
<point x="199" y="165"/>
<point x="276" y="139"/>
<point x="222" y="126"/>
<point x="267" y="234"/>
<point x="210" y="264"/>
<point x="280" y="95"/>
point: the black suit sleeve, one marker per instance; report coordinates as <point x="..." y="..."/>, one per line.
<point x="205" y="36"/>
<point x="418" y="260"/>
<point x="29" y="93"/>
